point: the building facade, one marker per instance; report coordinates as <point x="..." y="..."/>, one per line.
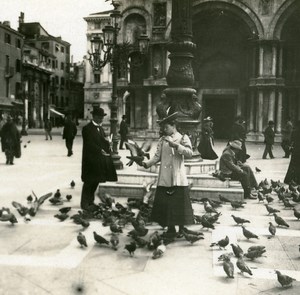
<point x="11" y="43"/>
<point x="45" y="93"/>
<point x="246" y="62"/>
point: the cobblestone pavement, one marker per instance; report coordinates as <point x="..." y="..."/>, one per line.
<point x="42" y="256"/>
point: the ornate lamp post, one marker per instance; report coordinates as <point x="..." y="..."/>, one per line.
<point x="180" y="96"/>
<point x="107" y="50"/>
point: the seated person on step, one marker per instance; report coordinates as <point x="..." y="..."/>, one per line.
<point x="233" y="169"/>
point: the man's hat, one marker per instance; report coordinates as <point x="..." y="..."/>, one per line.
<point x="236" y="144"/>
<point x="98" y="112"/>
<point x="208" y="119"/>
<point x="271" y="122"/>
<point x="124" y="117"/>
<point x="169" y="118"/>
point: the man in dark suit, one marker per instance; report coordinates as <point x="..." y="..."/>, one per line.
<point x="69" y="133"/>
<point x="123" y="131"/>
<point x="97" y="164"/>
<point x="231" y="168"/>
<point x="269" y="134"/>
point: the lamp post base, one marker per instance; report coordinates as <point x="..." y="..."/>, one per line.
<point x="117" y="162"/>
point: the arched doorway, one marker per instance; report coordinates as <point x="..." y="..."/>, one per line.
<point x="290" y="35"/>
<point x="222" y="62"/>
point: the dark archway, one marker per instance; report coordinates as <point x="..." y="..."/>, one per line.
<point x="222" y="62"/>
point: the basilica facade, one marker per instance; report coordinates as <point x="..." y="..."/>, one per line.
<point x="246" y="62"/>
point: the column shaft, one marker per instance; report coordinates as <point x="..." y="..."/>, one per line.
<point x="261" y="60"/>
<point x="280" y="61"/>
<point x="260" y="110"/>
<point x="279" y="112"/>
<point x="251" y="115"/>
<point x="150" y="109"/>
<point x="271" y="108"/>
<point x="274" y="59"/>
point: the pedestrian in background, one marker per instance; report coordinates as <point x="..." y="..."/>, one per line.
<point x="293" y="172"/>
<point x="172" y="206"/>
<point x="69" y="133"/>
<point x="286" y="137"/>
<point x="48" y="129"/>
<point x="238" y="132"/>
<point x="206" y="142"/>
<point x="234" y="169"/>
<point x="10" y="141"/>
<point x="123" y="131"/>
<point x="97" y="163"/>
<point x="269" y="135"/>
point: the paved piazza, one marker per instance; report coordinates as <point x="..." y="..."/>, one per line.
<point x="42" y="256"/>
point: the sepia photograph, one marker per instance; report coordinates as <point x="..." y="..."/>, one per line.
<point x="150" y="147"/>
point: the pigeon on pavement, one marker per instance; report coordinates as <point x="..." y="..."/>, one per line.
<point x="81" y="239"/>
<point x="237" y="250"/>
<point x="222" y="243"/>
<point x="228" y="267"/>
<point x="131" y="248"/>
<point x="284" y="280"/>
<point x="114" y="240"/>
<point x="280" y="221"/>
<point x="248" y="234"/>
<point x="99" y="239"/>
<point x="272" y="229"/>
<point x="239" y="220"/>
<point x="243" y="266"/>
<point x="271" y="210"/>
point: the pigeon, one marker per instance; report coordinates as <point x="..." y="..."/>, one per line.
<point x="208" y="208"/>
<point x="159" y="251"/>
<point x="9" y="217"/>
<point x="280" y="221"/>
<point x="115" y="228"/>
<point x="256" y="248"/>
<point x="237" y="204"/>
<point x="222" y="243"/>
<point x="69" y="197"/>
<point x="206" y="224"/>
<point x="35" y="205"/>
<point x="20" y="208"/>
<point x="100" y="240"/>
<point x="257" y="169"/>
<point x="260" y="196"/>
<point x="224" y="199"/>
<point x="228" y="267"/>
<point x="57" y="194"/>
<point x="242" y="266"/>
<point x="192" y="232"/>
<point x="154" y="240"/>
<point x="64" y="209"/>
<point x="25" y="146"/>
<point x="137" y="153"/>
<point x="81" y="239"/>
<point x="284" y="280"/>
<point x="248" y="234"/>
<point x="130" y="248"/>
<point x="225" y="256"/>
<point x="62" y="216"/>
<point x="237" y="250"/>
<point x="296" y="213"/>
<point x="272" y="229"/>
<point x="192" y="238"/>
<point x="287" y="203"/>
<point x="30" y="198"/>
<point x="271" y="210"/>
<point x="254" y="254"/>
<point x="114" y="240"/>
<point x="239" y="220"/>
<point x="72" y="184"/>
<point x="55" y="201"/>
<point x="84" y="223"/>
<point x="269" y="199"/>
<point x="28" y="141"/>
<point x="140" y="242"/>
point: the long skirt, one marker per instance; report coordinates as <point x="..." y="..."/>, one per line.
<point x="172" y="206"/>
<point x="206" y="149"/>
<point x="293" y="172"/>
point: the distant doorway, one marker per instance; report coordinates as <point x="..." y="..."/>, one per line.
<point x="222" y="109"/>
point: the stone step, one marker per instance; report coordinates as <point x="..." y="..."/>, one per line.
<point x="201" y="180"/>
<point x="137" y="191"/>
<point x="192" y="168"/>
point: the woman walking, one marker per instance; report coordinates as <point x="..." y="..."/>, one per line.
<point x="172" y="206"/>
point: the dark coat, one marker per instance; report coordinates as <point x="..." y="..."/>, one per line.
<point x="123" y="129"/>
<point x="228" y="162"/>
<point x="269" y="135"/>
<point x="205" y="146"/>
<point x="70" y="130"/>
<point x="95" y="165"/>
<point x="10" y="139"/>
<point x="293" y="172"/>
<point x="238" y="132"/>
